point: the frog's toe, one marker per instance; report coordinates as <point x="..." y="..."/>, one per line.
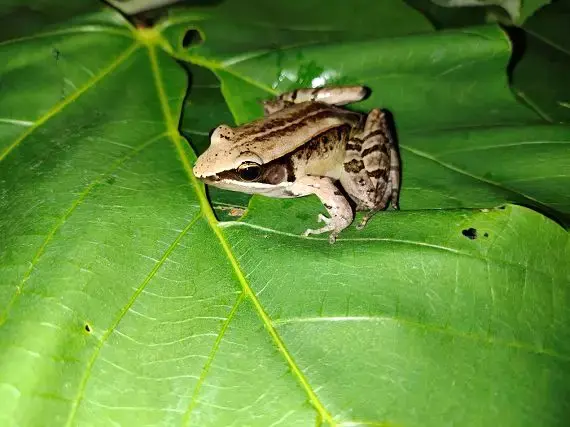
<point x="311" y="231"/>
<point x="322" y="218"/>
<point x="328" y="227"/>
<point x="363" y="222"/>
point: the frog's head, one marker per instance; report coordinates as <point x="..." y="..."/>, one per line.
<point x="233" y="164"/>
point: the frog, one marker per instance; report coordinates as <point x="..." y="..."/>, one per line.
<point x="309" y="143"/>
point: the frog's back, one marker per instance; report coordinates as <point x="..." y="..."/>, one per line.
<point x="288" y="129"/>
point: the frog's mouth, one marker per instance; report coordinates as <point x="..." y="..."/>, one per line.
<point x="211" y="179"/>
<point x="249" y="187"/>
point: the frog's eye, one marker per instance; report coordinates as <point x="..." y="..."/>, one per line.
<point x="249" y="171"/>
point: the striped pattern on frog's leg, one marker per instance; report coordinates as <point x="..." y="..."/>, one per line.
<point x="375" y="151"/>
<point x="334" y="95"/>
<point x="354" y="179"/>
<point x="381" y="162"/>
<point x="394" y="175"/>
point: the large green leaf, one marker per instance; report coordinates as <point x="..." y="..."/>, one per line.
<point x="124" y="302"/>
<point x="465" y="142"/>
<point x="258" y="29"/>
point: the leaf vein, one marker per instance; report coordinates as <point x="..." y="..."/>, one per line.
<point x="470" y="175"/>
<point x="61" y="105"/>
<point x="76" y="203"/>
<point x="83" y="29"/>
<point x="83" y="384"/>
<point x="230" y="224"/>
<point x="213" y="223"/>
<point x="210" y="360"/>
<point x="430" y="327"/>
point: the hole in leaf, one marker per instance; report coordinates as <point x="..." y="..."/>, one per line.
<point x="88" y="328"/>
<point x="192" y="38"/>
<point x="470" y="233"/>
<point x="486" y="234"/>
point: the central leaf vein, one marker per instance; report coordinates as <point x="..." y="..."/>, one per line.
<point x="183" y="154"/>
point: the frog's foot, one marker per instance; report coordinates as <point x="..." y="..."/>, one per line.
<point x="331" y="95"/>
<point x="273" y="105"/>
<point x="362" y="222"/>
<point x="365" y="219"/>
<point x="329" y="226"/>
<point x="334" y="202"/>
<point x="332" y="236"/>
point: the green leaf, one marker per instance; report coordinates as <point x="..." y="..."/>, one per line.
<point x="23" y="17"/>
<point x="260" y="29"/>
<point x="255" y="27"/>
<point x="438" y="324"/>
<point x="464" y="140"/>
<point x="540" y="78"/>
<point x="123" y="300"/>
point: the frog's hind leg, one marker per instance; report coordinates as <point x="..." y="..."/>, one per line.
<point x="354" y="178"/>
<point x="273" y="105"/>
<point x="394" y="175"/>
<point x="334" y="95"/>
<point x="381" y="162"/>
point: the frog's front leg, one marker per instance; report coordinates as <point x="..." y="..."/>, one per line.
<point x="334" y="95"/>
<point x="335" y="203"/>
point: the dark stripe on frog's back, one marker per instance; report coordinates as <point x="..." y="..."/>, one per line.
<point x="318" y="147"/>
<point x="279" y="119"/>
<point x="283" y="169"/>
<point x="290" y="120"/>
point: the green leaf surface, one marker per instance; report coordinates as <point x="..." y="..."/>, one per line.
<point x="256" y="27"/>
<point x="540" y="78"/>
<point x="19" y="18"/>
<point x="123" y="301"/>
